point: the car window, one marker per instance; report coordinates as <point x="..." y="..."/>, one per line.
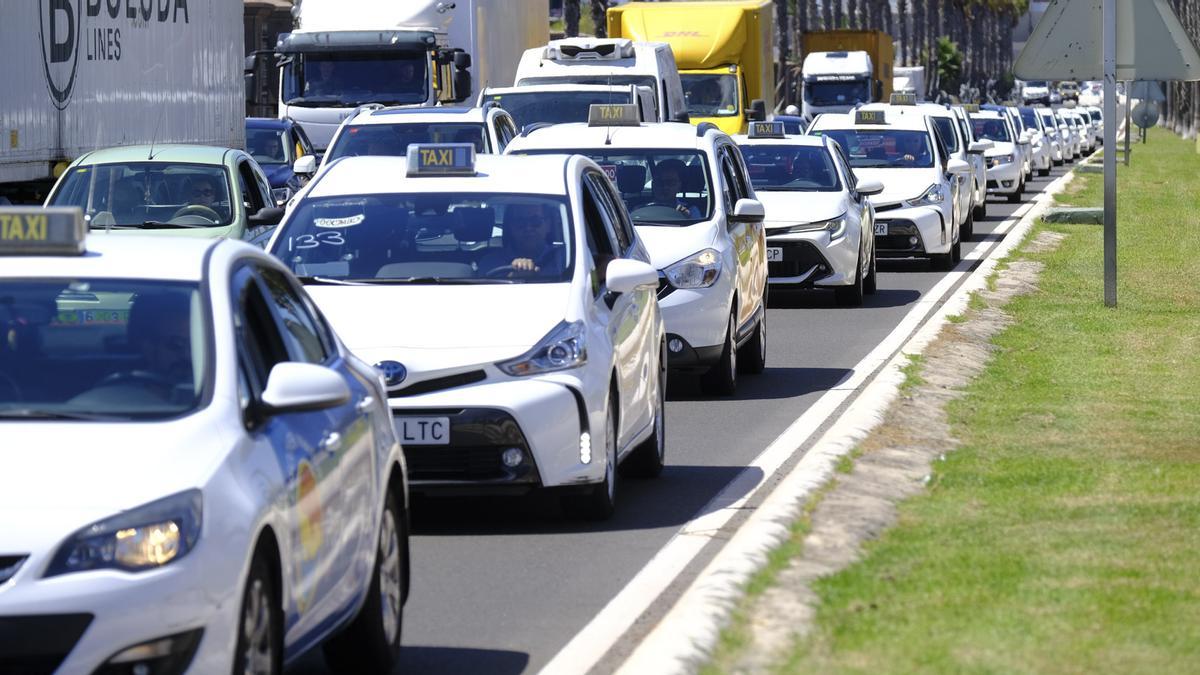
<point x="305" y="146"/>
<point x="991" y="129"/>
<point x="608" y="211"/>
<point x="625" y="231"/>
<point x="392" y="140"/>
<point x="791" y="168"/>
<point x="299" y="330"/>
<point x="884" y="148"/>
<point x="259" y="343"/>
<point x="147" y="195"/>
<point x="252" y="197"/>
<point x="945" y="130"/>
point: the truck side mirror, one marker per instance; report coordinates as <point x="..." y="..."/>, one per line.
<point x="462" y="83"/>
<point x="878" y="90"/>
<point x="758" y="111"/>
<point x="462" y="60"/>
<point x="248" y="80"/>
<point x="681" y="116"/>
<point x="251" y="62"/>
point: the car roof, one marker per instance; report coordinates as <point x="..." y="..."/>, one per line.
<point x="580" y="135"/>
<point x="790" y="139"/>
<point x="535" y="88"/>
<point x="129" y="256"/>
<point x="166" y="153"/>
<point x="846" y="121"/>
<point x="267" y="123"/>
<point x="919" y="109"/>
<point x="542" y="174"/>
<point x="418" y="115"/>
<point x="988" y="114"/>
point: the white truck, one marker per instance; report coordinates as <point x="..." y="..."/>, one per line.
<point x="84" y="74"/>
<point x="835" y="82"/>
<point x="347" y="53"/>
<point x="910" y="80"/>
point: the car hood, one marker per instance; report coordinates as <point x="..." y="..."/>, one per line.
<point x="668" y="245"/>
<point x="899" y="184"/>
<point x="1000" y="148"/>
<point x="792" y="208"/>
<point x="93" y="470"/>
<point x="429" y="327"/>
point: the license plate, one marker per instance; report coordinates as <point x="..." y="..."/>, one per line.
<point x="881" y="228"/>
<point x="774" y="254"/>
<point x="423" y="430"/>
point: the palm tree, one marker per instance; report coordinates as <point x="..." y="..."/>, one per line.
<point x="599" y="17"/>
<point x="571" y="17"/>
<point x="902" y="17"/>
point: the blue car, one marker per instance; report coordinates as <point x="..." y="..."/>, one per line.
<point x="276" y="144"/>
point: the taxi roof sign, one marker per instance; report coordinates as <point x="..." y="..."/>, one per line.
<point x="766" y="130"/>
<point x="41" y="230"/>
<point x="441" y="159"/>
<point x="614" y="115"/>
<point x="904" y="98"/>
<point x="869" y="117"/>
<point x="971" y="107"/>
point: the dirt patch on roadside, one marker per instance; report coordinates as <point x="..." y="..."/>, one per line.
<point x="894" y="463"/>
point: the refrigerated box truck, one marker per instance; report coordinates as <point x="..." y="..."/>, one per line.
<point x="845" y="67"/>
<point x="724" y="51"/>
<point x="348" y="53"/>
<point x="87" y="74"/>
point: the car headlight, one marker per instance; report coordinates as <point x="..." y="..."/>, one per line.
<point x="141" y="538"/>
<point x="835" y="226"/>
<point x="564" y="347"/>
<point x="1000" y="159"/>
<point x="281" y="195"/>
<point x="698" y="271"/>
<point x="934" y="195"/>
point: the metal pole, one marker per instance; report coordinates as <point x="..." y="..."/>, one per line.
<point x="1128" y="118"/>
<point x="1109" y="36"/>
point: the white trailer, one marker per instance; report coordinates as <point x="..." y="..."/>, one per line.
<point x="910" y="79"/>
<point x="87" y="74"/>
<point x="349" y="53"/>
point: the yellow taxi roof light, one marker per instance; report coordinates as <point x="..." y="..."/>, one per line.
<point x="614" y="115"/>
<point x="42" y="230"/>
<point x="441" y="159"/>
<point x="766" y="130"/>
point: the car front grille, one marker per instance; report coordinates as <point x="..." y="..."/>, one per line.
<point x="798" y="258"/>
<point x="9" y="564"/>
<point x="439" y="384"/>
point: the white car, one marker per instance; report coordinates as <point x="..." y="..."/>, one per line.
<point x="978" y="165"/>
<point x="917" y="212"/>
<point x="1024" y="140"/>
<point x="1006" y="172"/>
<point x="1071" y="134"/>
<point x="1040" y="141"/>
<point x="198" y="475"/>
<point x="1036" y="92"/>
<point x="510" y="305"/>
<point x="1059" y="142"/>
<point x="820" y="224"/>
<point x="690" y="198"/>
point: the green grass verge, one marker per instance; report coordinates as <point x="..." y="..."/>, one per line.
<point x="1064" y="535"/>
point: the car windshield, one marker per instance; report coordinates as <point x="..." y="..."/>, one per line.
<point x="945" y="130"/>
<point x="990" y="128"/>
<point x="1096" y="116"/>
<point x="711" y="95"/>
<point x="393" y="139"/>
<point x="791" y="168"/>
<point x="1029" y="116"/>
<point x="429" y="239"/>
<point x="267" y="146"/>
<point x="883" y="148"/>
<point x="611" y="80"/>
<point x="555" y="107"/>
<point x="837" y="92"/>
<point x="1048" y="120"/>
<point x="100" y="348"/>
<point x="147" y="195"/>
<point x="659" y="187"/>
<point x="1036" y="83"/>
<point x="342" y="80"/>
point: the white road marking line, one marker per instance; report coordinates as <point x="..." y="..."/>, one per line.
<point x="684" y="635"/>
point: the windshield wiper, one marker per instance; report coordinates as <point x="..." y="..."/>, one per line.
<point x="159" y="225"/>
<point x="326" y="281"/>
<point x="114" y="227"/>
<point x="450" y="281"/>
<point x="35" y="414"/>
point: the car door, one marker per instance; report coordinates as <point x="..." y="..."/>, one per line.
<point x="748" y="239"/>
<point x="620" y="311"/>
<point x="857" y="204"/>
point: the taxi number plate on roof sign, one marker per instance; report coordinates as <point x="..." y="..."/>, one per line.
<point x="869" y="117"/>
<point x="36" y="230"/>
<point x="441" y="159"/>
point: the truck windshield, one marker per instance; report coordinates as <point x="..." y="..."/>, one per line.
<point x="790" y="168"/>
<point x="151" y="195"/>
<point x="101" y="349"/>
<point x="883" y="148"/>
<point x="434" y="238"/>
<point x="837" y="92"/>
<point x="659" y="187"/>
<point x="711" y="95"/>
<point x="392" y="140"/>
<point x="346" y="80"/>
<point x="618" y="80"/>
<point x="554" y="107"/>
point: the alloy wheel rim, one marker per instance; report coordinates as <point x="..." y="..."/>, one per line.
<point x="610" y="453"/>
<point x="389" y="577"/>
<point x="256" y="631"/>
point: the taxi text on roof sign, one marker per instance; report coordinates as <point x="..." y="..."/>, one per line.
<point x="869" y="117"/>
<point x="971" y="107"/>
<point x="904" y="98"/>
<point x="766" y="130"/>
<point x="441" y="159"/>
<point x="36" y="230"/>
<point x="614" y="115"/>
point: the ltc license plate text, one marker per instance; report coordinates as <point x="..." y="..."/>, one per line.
<point x="423" y="430"/>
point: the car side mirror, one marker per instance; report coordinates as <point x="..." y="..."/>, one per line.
<point x="957" y="166"/>
<point x="757" y="111"/>
<point x="624" y="275"/>
<point x="267" y="215"/>
<point x="305" y="166"/>
<point x="747" y="211"/>
<point x="681" y="116"/>
<point x="868" y="187"/>
<point x="980" y="147"/>
<point x="302" y="387"/>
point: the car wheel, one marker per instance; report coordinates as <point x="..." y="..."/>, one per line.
<point x="852" y="295"/>
<point x="969" y="229"/>
<point x="1057" y="162"/>
<point x="980" y="210"/>
<point x="956" y="251"/>
<point x="1044" y="172"/>
<point x="260" y="626"/>
<point x="721" y="379"/>
<point x="600" y="500"/>
<point x="648" y="458"/>
<point x="371" y="643"/>
<point x="871" y="283"/>
<point x="755" y="359"/>
<point x="1015" y="197"/>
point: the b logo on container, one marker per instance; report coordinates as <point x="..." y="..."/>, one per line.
<point x="61" y="28"/>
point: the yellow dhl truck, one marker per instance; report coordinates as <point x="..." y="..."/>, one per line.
<point x="724" y="50"/>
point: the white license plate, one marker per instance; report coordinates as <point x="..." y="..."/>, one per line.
<point x="423" y="430"/>
<point x="774" y="254"/>
<point x="880" y="228"/>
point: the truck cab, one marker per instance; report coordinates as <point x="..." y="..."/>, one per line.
<point x="837" y="81"/>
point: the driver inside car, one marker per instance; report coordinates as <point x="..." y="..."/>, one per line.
<point x="203" y="197"/>
<point x="666" y="185"/>
<point x="528" y="247"/>
<point x="160" y="329"/>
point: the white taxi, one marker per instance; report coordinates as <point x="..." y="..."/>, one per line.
<point x="687" y="190"/>
<point x="198" y="476"/>
<point x="916" y="215"/>
<point x="510" y="306"/>
<point x="820" y="224"/>
<point x="1006" y="170"/>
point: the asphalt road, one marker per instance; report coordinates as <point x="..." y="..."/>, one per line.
<point x="499" y="586"/>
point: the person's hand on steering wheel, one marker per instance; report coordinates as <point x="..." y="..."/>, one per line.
<point x="198" y="210"/>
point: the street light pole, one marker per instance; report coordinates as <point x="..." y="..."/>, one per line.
<point x="1109" y="36"/>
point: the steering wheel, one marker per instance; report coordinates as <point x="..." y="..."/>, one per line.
<point x="198" y="210"/>
<point x="497" y="272"/>
<point x="656" y="211"/>
<point x="539" y="265"/>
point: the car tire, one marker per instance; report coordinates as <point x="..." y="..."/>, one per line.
<point x="1057" y="162"/>
<point x="852" y="295"/>
<point x="1044" y="172"/>
<point x="956" y="251"/>
<point x="648" y="458"/>
<point x="980" y="210"/>
<point x="1015" y="197"/>
<point x="871" y="283"/>
<point x="371" y="643"/>
<point x="260" y="623"/>
<point x="721" y="379"/>
<point x="754" y="361"/>
<point x="968" y="232"/>
<point x="600" y="500"/>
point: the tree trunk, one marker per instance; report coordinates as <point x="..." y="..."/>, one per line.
<point x="852" y="13"/>
<point x="839" y="14"/>
<point x="827" y="14"/>
<point x="902" y="18"/>
<point x="599" y="17"/>
<point x="571" y="17"/>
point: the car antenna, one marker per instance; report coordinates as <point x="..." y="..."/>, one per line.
<point x="154" y="138"/>
<point x="608" y="129"/>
